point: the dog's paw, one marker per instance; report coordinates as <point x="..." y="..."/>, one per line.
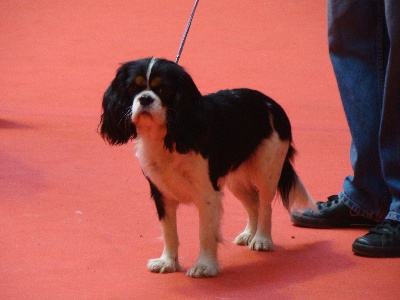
<point x="243" y="239"/>
<point x="261" y="244"/>
<point x="163" y="265"/>
<point x="201" y="270"/>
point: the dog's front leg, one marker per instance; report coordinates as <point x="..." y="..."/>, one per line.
<point x="210" y="211"/>
<point x="168" y="262"/>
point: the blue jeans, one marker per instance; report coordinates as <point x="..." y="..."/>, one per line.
<point x="364" y="47"/>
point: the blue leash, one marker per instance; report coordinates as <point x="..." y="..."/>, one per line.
<point x="186" y="31"/>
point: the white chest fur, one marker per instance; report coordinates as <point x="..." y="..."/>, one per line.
<point x="179" y="177"/>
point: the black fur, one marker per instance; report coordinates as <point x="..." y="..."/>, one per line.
<point x="158" y="199"/>
<point x="116" y="127"/>
<point x="225" y="127"/>
<point x="238" y="120"/>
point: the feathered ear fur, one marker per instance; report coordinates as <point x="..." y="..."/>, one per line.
<point x="116" y="126"/>
<point x="184" y="116"/>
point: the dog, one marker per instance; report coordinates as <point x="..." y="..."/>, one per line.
<point x="190" y="146"/>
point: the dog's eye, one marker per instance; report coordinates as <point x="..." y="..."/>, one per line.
<point x="133" y="89"/>
<point x="164" y="91"/>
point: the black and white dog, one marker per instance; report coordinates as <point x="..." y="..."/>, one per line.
<point x="189" y="146"/>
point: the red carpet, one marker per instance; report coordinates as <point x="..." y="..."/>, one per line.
<point x="76" y="219"/>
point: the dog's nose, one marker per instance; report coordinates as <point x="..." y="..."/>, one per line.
<point x="146" y="100"/>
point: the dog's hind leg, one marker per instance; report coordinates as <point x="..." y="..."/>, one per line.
<point x="248" y="196"/>
<point x="267" y="165"/>
<point x="168" y="262"/>
<point x="262" y="240"/>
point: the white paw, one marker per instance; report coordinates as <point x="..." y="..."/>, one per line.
<point x="261" y="244"/>
<point x="163" y="265"/>
<point x="200" y="270"/>
<point x="243" y="239"/>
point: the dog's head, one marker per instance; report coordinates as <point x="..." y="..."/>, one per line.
<point x="153" y="94"/>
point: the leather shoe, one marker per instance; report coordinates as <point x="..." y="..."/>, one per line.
<point x="382" y="241"/>
<point x="331" y="214"/>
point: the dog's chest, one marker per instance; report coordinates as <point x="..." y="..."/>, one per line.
<point x="178" y="176"/>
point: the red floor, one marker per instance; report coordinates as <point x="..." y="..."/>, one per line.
<point x="76" y="220"/>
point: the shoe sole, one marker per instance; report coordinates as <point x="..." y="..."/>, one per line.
<point x="371" y="251"/>
<point x="313" y="223"/>
<point x="303" y="221"/>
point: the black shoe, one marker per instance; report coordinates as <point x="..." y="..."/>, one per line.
<point x="331" y="214"/>
<point x="382" y="241"/>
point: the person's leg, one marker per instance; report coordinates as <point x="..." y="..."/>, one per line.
<point x="358" y="50"/>
<point x="384" y="240"/>
<point x="390" y="129"/>
<point x="358" y="47"/>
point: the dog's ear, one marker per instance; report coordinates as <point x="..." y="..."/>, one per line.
<point x="116" y="126"/>
<point x="184" y="119"/>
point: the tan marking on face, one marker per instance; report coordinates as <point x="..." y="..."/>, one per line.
<point x="140" y="81"/>
<point x="155" y="82"/>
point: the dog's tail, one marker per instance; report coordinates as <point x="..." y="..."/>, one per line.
<point x="292" y="191"/>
